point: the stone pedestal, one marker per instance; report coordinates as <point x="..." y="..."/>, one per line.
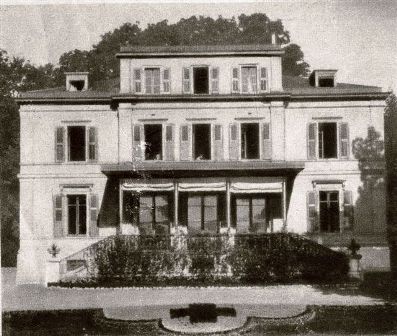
<point x="53" y="270"/>
<point x="355" y="271"/>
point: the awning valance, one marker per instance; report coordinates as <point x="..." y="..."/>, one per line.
<point x="216" y="186"/>
<point x="148" y="186"/>
<point x="246" y="187"/>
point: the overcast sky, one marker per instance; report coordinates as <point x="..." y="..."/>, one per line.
<point x="357" y="37"/>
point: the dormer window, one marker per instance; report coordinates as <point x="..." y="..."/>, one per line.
<point x="76" y="81"/>
<point x="323" y="78"/>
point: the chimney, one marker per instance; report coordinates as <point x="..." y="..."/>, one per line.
<point x="76" y="81"/>
<point x="274" y="38"/>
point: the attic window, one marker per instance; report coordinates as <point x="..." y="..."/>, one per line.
<point x="76" y="81"/>
<point x="326" y="82"/>
<point x="77" y="85"/>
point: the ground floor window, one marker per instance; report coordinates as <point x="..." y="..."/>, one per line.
<point x="77" y="214"/>
<point x="329" y="211"/>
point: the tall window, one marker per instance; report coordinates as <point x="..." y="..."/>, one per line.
<point x="152" y="80"/>
<point x="249" y="79"/>
<point x="76" y="140"/>
<point x="329" y="211"/>
<point x="201" y="80"/>
<point x="250" y="141"/>
<point x="202" y="213"/>
<point x="327" y="140"/>
<point x="202" y="141"/>
<point x="250" y="213"/>
<point x="77" y="214"/>
<point x="153" y="142"/>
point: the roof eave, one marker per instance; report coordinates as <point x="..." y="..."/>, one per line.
<point x="198" y="54"/>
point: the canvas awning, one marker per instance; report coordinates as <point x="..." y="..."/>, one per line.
<point x="147" y="186"/>
<point x="249" y="187"/>
<point x="215" y="186"/>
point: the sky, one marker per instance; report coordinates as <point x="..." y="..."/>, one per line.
<point x="357" y="37"/>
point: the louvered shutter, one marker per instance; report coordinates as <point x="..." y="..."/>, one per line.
<point x="344" y="140"/>
<point x="263" y="79"/>
<point x="267" y="143"/>
<point x="218" y="142"/>
<point x="186" y="142"/>
<point x="92" y="144"/>
<point x="169" y="142"/>
<point x="166" y="80"/>
<point x="138" y="145"/>
<point x="215" y="80"/>
<point x="311" y="141"/>
<point x="137" y="74"/>
<point x="58" y="216"/>
<point x="59" y="144"/>
<point x="186" y="80"/>
<point x="93" y="230"/>
<point x="234" y="141"/>
<point x="348" y="210"/>
<point x="312" y="216"/>
<point x="235" y="80"/>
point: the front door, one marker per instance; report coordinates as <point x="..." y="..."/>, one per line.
<point x="329" y="211"/>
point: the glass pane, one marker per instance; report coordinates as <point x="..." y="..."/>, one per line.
<point x="72" y="219"/>
<point x="82" y="215"/>
<point x="161" y="209"/>
<point x="242" y="215"/>
<point x="129" y="207"/>
<point x="194" y="213"/>
<point x="145" y="209"/>
<point x="210" y="213"/>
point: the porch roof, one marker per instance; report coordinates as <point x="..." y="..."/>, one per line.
<point x="190" y="167"/>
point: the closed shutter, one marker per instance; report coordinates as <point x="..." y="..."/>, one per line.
<point x="169" y="142"/>
<point x="234" y="141"/>
<point x="218" y="142"/>
<point x="312" y="216"/>
<point x="137" y="80"/>
<point x="92" y="144"/>
<point x="215" y="80"/>
<point x="166" y="80"/>
<point x="235" y="80"/>
<point x="186" y="142"/>
<point x="93" y="230"/>
<point x="348" y="210"/>
<point x="263" y="79"/>
<point x="59" y="144"/>
<point x="58" y="216"/>
<point x="344" y="140"/>
<point x="311" y="141"/>
<point x="138" y="145"/>
<point x="186" y="80"/>
<point x="267" y="143"/>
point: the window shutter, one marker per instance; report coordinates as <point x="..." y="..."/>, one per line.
<point x="312" y="217"/>
<point x="235" y="80"/>
<point x="169" y="142"/>
<point x="92" y="144"/>
<point x="234" y="141"/>
<point x="311" y="141"/>
<point x="58" y="216"/>
<point x="186" y="80"/>
<point x="263" y="79"/>
<point x="215" y="80"/>
<point x="137" y="80"/>
<point x="348" y="210"/>
<point x="59" y="144"/>
<point x="186" y="144"/>
<point x="166" y="80"/>
<point x="267" y="143"/>
<point x="218" y="142"/>
<point x="138" y="145"/>
<point x="94" y="230"/>
<point x="344" y="140"/>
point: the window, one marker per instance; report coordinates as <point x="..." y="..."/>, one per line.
<point x="152" y="80"/>
<point x="326" y="82"/>
<point x="201" y="141"/>
<point x="76" y="139"/>
<point x="249" y="81"/>
<point x="77" y="214"/>
<point x="327" y="140"/>
<point x="329" y="211"/>
<point x="202" y="213"/>
<point x="200" y="80"/>
<point x="250" y="213"/>
<point x="250" y="141"/>
<point x="77" y="85"/>
<point x="153" y="142"/>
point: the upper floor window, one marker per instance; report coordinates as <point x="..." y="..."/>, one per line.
<point x="249" y="79"/>
<point x="250" y="141"/>
<point x="76" y="144"/>
<point x="153" y="141"/>
<point x="151" y="80"/>
<point x="202" y="142"/>
<point x="200" y="80"/>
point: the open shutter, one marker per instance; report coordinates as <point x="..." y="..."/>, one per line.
<point x="93" y="230"/>
<point x="312" y="216"/>
<point x="267" y="143"/>
<point x="218" y="142"/>
<point x="215" y="80"/>
<point x="138" y="145"/>
<point x="92" y="144"/>
<point x="166" y="80"/>
<point x="234" y="141"/>
<point x="186" y="142"/>
<point x="58" y="216"/>
<point x="169" y="142"/>
<point x="263" y="79"/>
<point x="348" y="210"/>
<point x="137" y="80"/>
<point x="59" y="144"/>
<point x="186" y="80"/>
<point x="311" y="141"/>
<point x="235" y="80"/>
<point x="344" y="140"/>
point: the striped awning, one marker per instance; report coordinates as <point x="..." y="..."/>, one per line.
<point x="250" y="187"/>
<point x="147" y="186"/>
<point x="215" y="186"/>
